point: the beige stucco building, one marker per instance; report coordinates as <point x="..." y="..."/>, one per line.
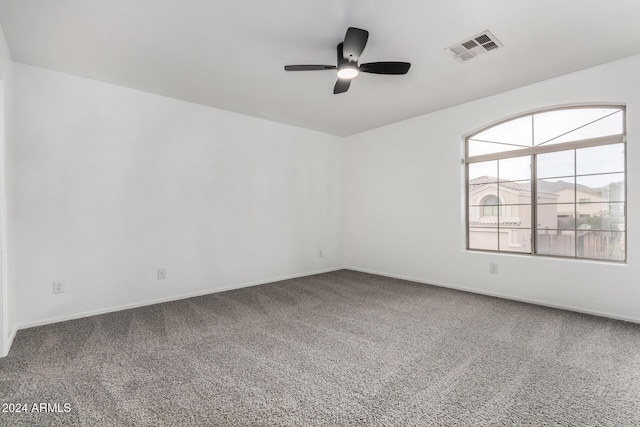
<point x="500" y="213"/>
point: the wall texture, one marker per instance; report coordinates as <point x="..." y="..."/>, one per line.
<point x="113" y="184"/>
<point x="404" y="201"/>
<point x="7" y="287"/>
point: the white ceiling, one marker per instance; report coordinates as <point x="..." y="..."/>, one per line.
<point x="230" y="54"/>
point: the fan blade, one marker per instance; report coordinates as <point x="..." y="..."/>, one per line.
<point x="341" y="86"/>
<point x="354" y="42"/>
<point x="308" y="67"/>
<point x="385" y="67"/>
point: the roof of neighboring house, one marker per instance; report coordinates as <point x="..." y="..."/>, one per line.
<point x="494" y="223"/>
<point x="555" y="186"/>
<point x="545" y="187"/>
<point x="507" y="184"/>
<point x="491" y="180"/>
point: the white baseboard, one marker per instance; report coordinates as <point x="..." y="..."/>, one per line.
<point x="12" y="335"/>
<point x="48" y="321"/>
<point x="311" y="273"/>
<point x="499" y="295"/>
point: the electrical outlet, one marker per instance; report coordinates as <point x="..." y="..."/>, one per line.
<point x="493" y="268"/>
<point x="320" y="253"/>
<point x="162" y="273"/>
<point x="58" y="287"/>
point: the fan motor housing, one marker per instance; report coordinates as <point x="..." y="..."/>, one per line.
<point x="347" y="69"/>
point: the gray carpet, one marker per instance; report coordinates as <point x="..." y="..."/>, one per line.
<point x="341" y="348"/>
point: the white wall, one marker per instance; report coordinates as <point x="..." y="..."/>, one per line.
<point x="113" y="183"/>
<point x="7" y="288"/>
<point x="404" y="201"/>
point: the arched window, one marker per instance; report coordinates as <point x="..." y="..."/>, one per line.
<point x="490" y="206"/>
<point x="561" y="177"/>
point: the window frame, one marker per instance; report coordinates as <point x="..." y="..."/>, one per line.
<point x="533" y="152"/>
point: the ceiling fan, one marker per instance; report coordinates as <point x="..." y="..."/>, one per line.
<point x="349" y="52"/>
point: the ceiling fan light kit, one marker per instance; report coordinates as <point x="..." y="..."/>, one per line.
<point x="347" y="71"/>
<point x="348" y="54"/>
